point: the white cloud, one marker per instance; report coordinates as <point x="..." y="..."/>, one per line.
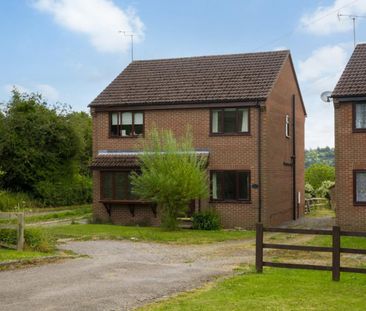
<point x="99" y="20"/>
<point x="324" y="19"/>
<point x="280" y="48"/>
<point x="47" y="91"/>
<point x="320" y="72"/>
<point x="327" y="61"/>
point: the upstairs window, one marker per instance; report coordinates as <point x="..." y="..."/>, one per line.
<point x="230" y="121"/>
<point x="360" y="116"/>
<point x="360" y="187"/>
<point x="126" y="124"/>
<point x="116" y="186"/>
<point x="230" y="185"/>
<point x="287" y="126"/>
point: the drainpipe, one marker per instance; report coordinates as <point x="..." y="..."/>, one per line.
<point x="294" y="196"/>
<point x="259" y="143"/>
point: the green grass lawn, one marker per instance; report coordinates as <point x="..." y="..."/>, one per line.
<point x="9" y="254"/>
<point x="184" y="236"/>
<point x="275" y="289"/>
<point x="348" y="242"/>
<point x="61" y="213"/>
<point x="74" y="212"/>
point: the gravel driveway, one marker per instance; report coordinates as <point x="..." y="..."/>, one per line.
<point x="119" y="275"/>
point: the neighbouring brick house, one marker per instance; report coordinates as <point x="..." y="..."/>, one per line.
<point x="349" y="97"/>
<point x="241" y="109"/>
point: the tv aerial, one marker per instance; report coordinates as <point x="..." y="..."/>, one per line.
<point x="131" y="35"/>
<point x="326" y="96"/>
<point x="354" y="18"/>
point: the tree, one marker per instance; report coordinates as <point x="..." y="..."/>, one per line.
<point x="319" y="155"/>
<point x="172" y="174"/>
<point x="38" y="144"/>
<point x="82" y="124"/>
<point x="317" y="173"/>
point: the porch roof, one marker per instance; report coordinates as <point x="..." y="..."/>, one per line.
<point x="110" y="159"/>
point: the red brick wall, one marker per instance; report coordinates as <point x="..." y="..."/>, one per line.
<point x="226" y="152"/>
<point x="277" y="149"/>
<point x="350" y="154"/>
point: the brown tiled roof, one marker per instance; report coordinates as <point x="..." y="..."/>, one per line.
<point x="353" y="79"/>
<point x="114" y="162"/>
<point x="224" y="78"/>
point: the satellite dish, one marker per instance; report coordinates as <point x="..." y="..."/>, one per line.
<point x="325" y="96"/>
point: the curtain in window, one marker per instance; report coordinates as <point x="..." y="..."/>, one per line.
<point x="214" y="186"/>
<point x="127" y="118"/>
<point x="361" y="187"/>
<point x="114" y="119"/>
<point x="361" y="116"/>
<point x="139" y="120"/>
<point x="244" y="120"/>
<point x="126" y="124"/>
<point x="215" y="121"/>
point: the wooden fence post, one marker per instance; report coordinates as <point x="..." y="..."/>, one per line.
<point x="259" y="248"/>
<point x="20" y="232"/>
<point x="336" y="258"/>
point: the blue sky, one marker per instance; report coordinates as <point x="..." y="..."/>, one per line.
<point x="69" y="50"/>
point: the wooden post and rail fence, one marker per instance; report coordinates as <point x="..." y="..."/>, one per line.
<point x="335" y="249"/>
<point x="19" y="226"/>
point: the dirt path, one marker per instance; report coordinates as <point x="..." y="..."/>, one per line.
<point x="119" y="275"/>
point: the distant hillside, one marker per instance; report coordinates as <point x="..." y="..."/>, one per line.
<point x="319" y="155"/>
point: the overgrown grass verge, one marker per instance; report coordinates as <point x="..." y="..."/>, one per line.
<point x="275" y="289"/>
<point x="15" y="202"/>
<point x="113" y="232"/>
<point x="36" y="239"/>
<point x="78" y="212"/>
<point x="321" y="212"/>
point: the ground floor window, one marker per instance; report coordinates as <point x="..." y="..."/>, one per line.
<point x="230" y="185"/>
<point x="359" y="186"/>
<point x="115" y="185"/>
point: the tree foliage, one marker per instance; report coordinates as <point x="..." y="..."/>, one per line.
<point x="42" y="146"/>
<point x="320" y="156"/>
<point x="316" y="174"/>
<point x="82" y="124"/>
<point x="171" y="174"/>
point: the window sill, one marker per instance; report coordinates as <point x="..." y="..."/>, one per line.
<point x="363" y="204"/>
<point x="355" y="130"/>
<point x="230" y="134"/>
<point x="232" y="201"/>
<point x="123" y="201"/>
<point x="134" y="136"/>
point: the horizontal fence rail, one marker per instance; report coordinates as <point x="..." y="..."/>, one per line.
<point x="19" y="226"/>
<point x="335" y="249"/>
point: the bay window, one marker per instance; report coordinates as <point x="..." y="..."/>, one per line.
<point x="126" y="124"/>
<point x="230" y="121"/>
<point x="116" y="186"/>
<point x="230" y="185"/>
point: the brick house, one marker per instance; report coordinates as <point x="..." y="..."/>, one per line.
<point x="247" y="117"/>
<point x="349" y="97"/>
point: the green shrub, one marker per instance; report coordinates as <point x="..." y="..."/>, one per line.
<point x="10" y="201"/>
<point x="309" y="191"/>
<point x="65" y="192"/>
<point x="35" y="239"/>
<point x="208" y="220"/>
<point x="324" y="190"/>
